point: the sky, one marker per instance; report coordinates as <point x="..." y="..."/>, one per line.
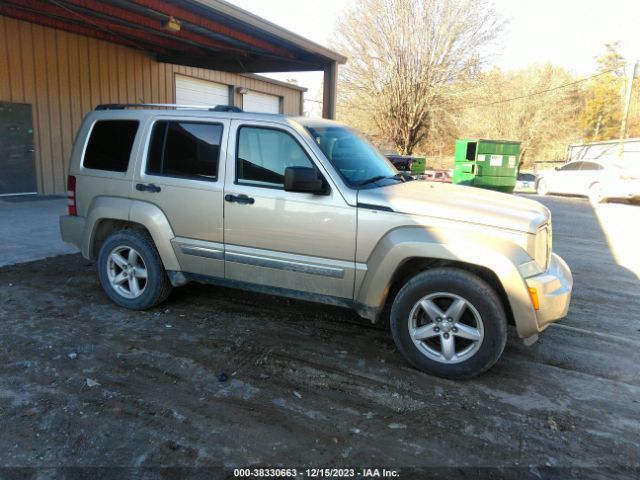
<point x="568" y="33"/>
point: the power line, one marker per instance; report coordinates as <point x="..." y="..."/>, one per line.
<point x="532" y="94"/>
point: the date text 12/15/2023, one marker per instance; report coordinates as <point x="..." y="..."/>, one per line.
<point x="316" y="472"/>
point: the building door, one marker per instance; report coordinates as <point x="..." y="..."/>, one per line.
<point x="16" y="150"/>
<point x="194" y="91"/>
<point x="261" y="103"/>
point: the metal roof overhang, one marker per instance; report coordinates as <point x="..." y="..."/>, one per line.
<point x="212" y="33"/>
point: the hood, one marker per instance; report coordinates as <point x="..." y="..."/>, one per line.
<point x="459" y="203"/>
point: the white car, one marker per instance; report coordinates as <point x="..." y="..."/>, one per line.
<point x="597" y="180"/>
<point x="526" y="183"/>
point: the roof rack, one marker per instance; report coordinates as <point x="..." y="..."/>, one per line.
<point x="122" y="106"/>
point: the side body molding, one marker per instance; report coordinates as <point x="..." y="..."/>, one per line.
<point x="146" y="214"/>
<point x="402" y="244"/>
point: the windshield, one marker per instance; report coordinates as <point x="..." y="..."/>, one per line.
<point x="357" y="161"/>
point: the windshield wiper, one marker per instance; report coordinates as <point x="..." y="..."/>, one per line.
<point x="403" y="177"/>
<point x="373" y="180"/>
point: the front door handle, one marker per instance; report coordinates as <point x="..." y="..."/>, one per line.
<point x="141" y="187"/>
<point x="241" y="199"/>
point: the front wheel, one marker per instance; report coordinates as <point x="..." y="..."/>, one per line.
<point x="450" y="323"/>
<point x="542" y="188"/>
<point x="595" y="194"/>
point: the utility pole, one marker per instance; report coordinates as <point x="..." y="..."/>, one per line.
<point x="633" y="73"/>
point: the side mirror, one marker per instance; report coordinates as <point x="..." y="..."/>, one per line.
<point x="556" y="168"/>
<point x="302" y="179"/>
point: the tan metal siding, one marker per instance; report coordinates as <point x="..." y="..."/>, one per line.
<point x="63" y="76"/>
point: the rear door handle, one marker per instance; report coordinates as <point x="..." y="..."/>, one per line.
<point x="241" y="199"/>
<point x="141" y="187"/>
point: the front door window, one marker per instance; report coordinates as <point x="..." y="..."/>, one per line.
<point x="264" y="154"/>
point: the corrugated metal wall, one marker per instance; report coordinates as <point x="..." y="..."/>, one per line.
<point x="63" y="76"/>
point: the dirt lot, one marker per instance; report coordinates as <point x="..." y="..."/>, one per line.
<point x="84" y="383"/>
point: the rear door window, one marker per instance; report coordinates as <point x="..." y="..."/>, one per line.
<point x="110" y="144"/>
<point x="185" y="150"/>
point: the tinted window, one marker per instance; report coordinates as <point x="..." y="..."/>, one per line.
<point x="185" y="149"/>
<point x="526" y="177"/>
<point x="110" y="144"/>
<point x="263" y="154"/>
<point x="571" y="166"/>
<point x="590" y="166"/>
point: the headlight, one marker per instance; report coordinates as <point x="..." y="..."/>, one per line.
<point x="542" y="252"/>
<point x="539" y="247"/>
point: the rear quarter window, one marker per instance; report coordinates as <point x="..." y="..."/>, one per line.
<point x="110" y="144"/>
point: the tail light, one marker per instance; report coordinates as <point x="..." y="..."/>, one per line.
<point x="71" y="196"/>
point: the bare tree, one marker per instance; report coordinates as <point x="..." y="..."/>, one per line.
<point x="405" y="57"/>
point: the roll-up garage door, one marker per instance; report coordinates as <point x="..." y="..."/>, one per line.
<point x="260" y="102"/>
<point x="194" y="91"/>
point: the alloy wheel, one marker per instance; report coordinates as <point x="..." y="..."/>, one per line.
<point x="127" y="272"/>
<point x="446" y="327"/>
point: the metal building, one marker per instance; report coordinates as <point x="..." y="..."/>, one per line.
<point x="58" y="60"/>
<point x="606" y="150"/>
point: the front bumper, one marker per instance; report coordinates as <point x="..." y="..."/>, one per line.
<point x="553" y="288"/>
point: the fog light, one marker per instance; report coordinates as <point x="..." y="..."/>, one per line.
<point x="533" y="293"/>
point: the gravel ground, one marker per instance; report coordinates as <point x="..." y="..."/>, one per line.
<point x="85" y="383"/>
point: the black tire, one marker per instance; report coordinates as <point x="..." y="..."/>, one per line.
<point x="541" y="187"/>
<point x="156" y="286"/>
<point x="475" y="292"/>
<point x="595" y="194"/>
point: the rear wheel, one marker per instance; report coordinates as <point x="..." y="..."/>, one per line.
<point x="542" y="188"/>
<point x="131" y="271"/>
<point x="449" y="323"/>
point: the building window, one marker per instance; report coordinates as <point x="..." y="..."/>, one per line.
<point x="264" y="154"/>
<point x="185" y="150"/>
<point x="110" y="144"/>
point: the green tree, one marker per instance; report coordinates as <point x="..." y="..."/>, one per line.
<point x="600" y="119"/>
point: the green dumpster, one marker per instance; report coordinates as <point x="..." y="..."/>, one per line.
<point x="491" y="164"/>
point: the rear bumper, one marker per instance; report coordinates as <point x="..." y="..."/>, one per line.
<point x="553" y="288"/>
<point x="72" y="230"/>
